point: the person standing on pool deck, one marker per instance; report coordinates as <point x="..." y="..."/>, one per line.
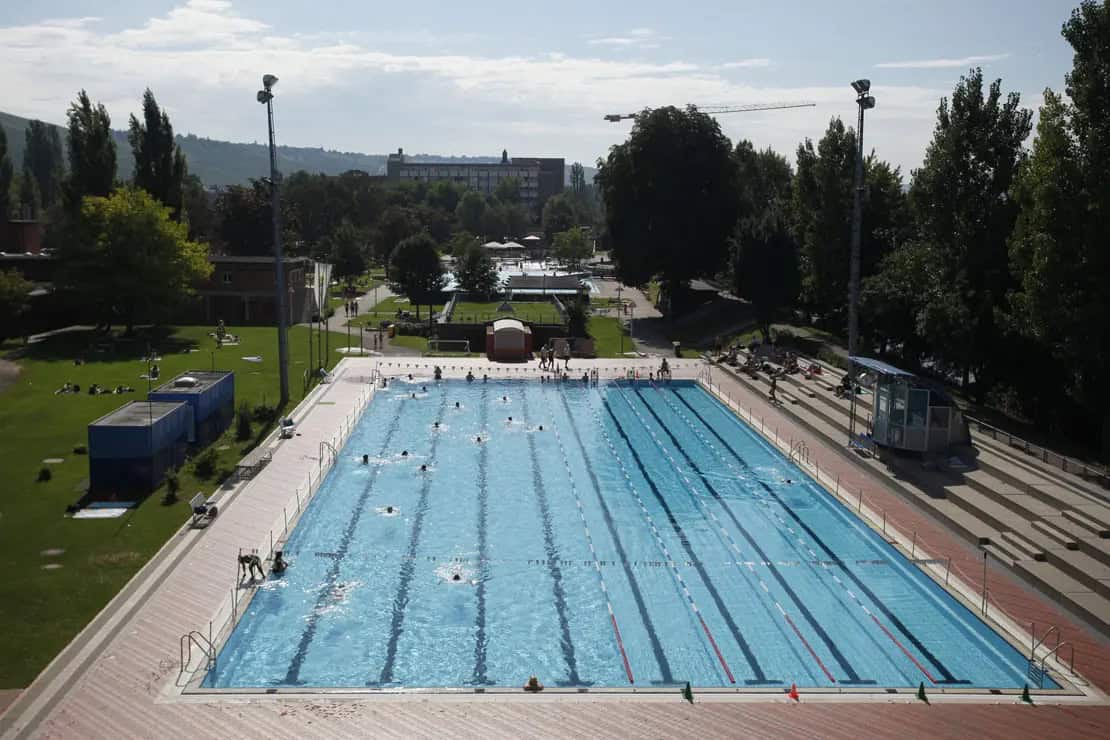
<point x="774" y="386"/>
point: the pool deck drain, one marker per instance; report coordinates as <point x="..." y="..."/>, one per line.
<point x="118" y="677"/>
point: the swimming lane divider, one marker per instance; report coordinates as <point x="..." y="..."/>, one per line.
<point x="947" y="677"/>
<point x="408" y="566"/>
<point x="553" y="568"/>
<point x="749" y="655"/>
<point x="637" y="594"/>
<point x="853" y="676"/>
<point x="481" y="639"/>
<point x="292" y="675"/>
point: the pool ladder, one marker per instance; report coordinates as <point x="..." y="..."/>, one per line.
<point x="185" y="646"/>
<point x="799" y="452"/>
<point x="1037" y="670"/>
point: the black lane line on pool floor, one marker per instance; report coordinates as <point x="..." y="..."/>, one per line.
<point x="749" y="655"/>
<point x="292" y="676"/>
<point x="834" y="649"/>
<point x="637" y="595"/>
<point x="552" y="553"/>
<point x="948" y="677"/>
<point x="481" y="641"/>
<point x="408" y="567"/>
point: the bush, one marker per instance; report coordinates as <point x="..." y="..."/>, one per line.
<point x="827" y="355"/>
<point x="263" y="413"/>
<point x="173" y="485"/>
<point x="243" y="422"/>
<point x="205" y="464"/>
<point x="578" y="315"/>
<point x="413" y="329"/>
<point x="44" y="474"/>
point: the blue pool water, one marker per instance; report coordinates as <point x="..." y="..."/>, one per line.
<point x="644" y="537"/>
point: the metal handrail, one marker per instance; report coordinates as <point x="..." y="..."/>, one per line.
<point x="185" y="651"/>
<point x="1037" y="643"/>
<point x="1055" y="650"/>
<point x="1064" y="462"/>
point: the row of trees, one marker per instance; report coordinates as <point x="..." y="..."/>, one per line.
<point x="990" y="269"/>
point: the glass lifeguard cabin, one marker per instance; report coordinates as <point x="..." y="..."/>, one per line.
<point x="908" y="412"/>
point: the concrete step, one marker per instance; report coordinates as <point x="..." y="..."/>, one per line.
<point x="1051" y="580"/>
<point x="1095" y="527"/>
<point x="1083" y="568"/>
<point x="990" y="512"/>
<point x="1004" y="552"/>
<point x="1013" y="499"/>
<point x="1057" y="535"/>
<point x="1056" y="495"/>
<point x="1023" y="545"/>
<point x="1098" y="549"/>
<point x="1048" y="471"/>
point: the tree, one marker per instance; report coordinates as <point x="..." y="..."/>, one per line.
<point x="514" y="217"/>
<point x="671" y="196"/>
<point x="892" y="302"/>
<point x="199" y="214"/>
<point x="558" y="215"/>
<point x="130" y="261"/>
<point x="397" y="224"/>
<point x="92" y="151"/>
<point x="471" y="211"/>
<point x="42" y="160"/>
<point x="243" y="214"/>
<point x="476" y="273"/>
<point x="415" y="271"/>
<point x="460" y="242"/>
<point x="766" y="266"/>
<point x="159" y="162"/>
<point x="961" y="200"/>
<point x="29" y="201"/>
<point x="14" y="302"/>
<point x="507" y="190"/>
<point x="347" y="251"/>
<point x="444" y="195"/>
<point x="578" y="179"/>
<point x="1058" y="248"/>
<point x="572" y="246"/>
<point x="578" y="317"/>
<point x="5" y="178"/>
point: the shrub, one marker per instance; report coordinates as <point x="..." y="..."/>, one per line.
<point x="243" y="422"/>
<point x="44" y="474"/>
<point x="205" y="464"/>
<point x="578" y="314"/>
<point x="263" y="413"/>
<point x="173" y="485"/>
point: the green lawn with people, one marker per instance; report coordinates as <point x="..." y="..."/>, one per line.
<point x="58" y="571"/>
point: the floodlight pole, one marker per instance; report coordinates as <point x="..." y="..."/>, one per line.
<point x="864" y="101"/>
<point x="266" y="96"/>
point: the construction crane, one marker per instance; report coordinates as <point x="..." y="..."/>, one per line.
<point x="715" y="109"/>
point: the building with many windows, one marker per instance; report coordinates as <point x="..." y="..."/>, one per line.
<point x="539" y="177"/>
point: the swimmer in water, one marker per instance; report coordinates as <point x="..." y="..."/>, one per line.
<point x="389" y="510"/>
<point x="456" y="577"/>
<point x="423" y="468"/>
<point x="404" y="453"/>
<point x="510" y="420"/>
<point x="436" y="425"/>
<point x="505" y="399"/>
<point x="478" y="440"/>
<point x="365" y="459"/>
<point x="457" y="404"/>
<point x="412" y="395"/>
<point x="410" y="376"/>
<point x="541" y="427"/>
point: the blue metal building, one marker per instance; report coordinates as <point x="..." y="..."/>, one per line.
<point x="210" y="395"/>
<point x="131" y="448"/>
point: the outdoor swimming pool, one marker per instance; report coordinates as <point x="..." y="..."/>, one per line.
<point x="644" y="537"/>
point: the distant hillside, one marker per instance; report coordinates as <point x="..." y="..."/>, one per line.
<point x="222" y="163"/>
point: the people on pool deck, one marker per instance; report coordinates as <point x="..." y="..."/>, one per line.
<point x="365" y="459"/>
<point x="469" y="378"/>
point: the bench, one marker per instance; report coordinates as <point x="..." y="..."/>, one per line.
<point x="203" y="511"/>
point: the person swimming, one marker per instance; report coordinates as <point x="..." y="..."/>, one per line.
<point x="389" y="510"/>
<point x="423" y="468"/>
<point x="541" y="427"/>
<point x="404" y="453"/>
<point x="412" y="395"/>
<point x="410" y="376"/>
<point x="469" y="377"/>
<point x="510" y="420"/>
<point x="365" y="459"/>
<point x="478" y="439"/>
<point x="456" y="577"/>
<point x="436" y="425"/>
<point x="424" y="388"/>
<point x="457" y="405"/>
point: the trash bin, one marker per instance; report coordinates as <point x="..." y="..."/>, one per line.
<point x="677" y="349"/>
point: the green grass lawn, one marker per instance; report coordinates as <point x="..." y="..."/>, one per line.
<point x="606" y="332"/>
<point x="420" y="344"/>
<point x="541" y="312"/>
<point x="387" y="309"/>
<point x="42" y="609"/>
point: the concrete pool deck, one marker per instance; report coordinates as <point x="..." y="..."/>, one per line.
<point x="118" y="677"/>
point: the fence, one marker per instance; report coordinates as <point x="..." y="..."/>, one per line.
<point x="928" y="558"/>
<point x="1065" y="463"/>
<point x="227" y="616"/>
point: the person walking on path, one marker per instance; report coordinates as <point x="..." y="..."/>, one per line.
<point x="774" y="387"/>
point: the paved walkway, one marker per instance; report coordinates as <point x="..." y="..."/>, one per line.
<point x="117" y="679"/>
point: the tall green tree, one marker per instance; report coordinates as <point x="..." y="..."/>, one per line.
<point x="15" y="299"/>
<point x="397" y="224"/>
<point x="30" y="204"/>
<point x="471" y="211"/>
<point x="130" y="261"/>
<point x="415" y="271"/>
<point x="558" y="215"/>
<point x="577" y="179"/>
<point x="159" y="162"/>
<point x="507" y="190"/>
<point x="92" y="151"/>
<point x="964" y="212"/>
<point x="5" y="178"/>
<point x="476" y="273"/>
<point x="444" y="195"/>
<point x="671" y="195"/>
<point x="572" y="247"/>
<point x="1058" y="248"/>
<point x="199" y="212"/>
<point x="461" y="241"/>
<point x="766" y="265"/>
<point x="347" y="250"/>
<point x="42" y="160"/>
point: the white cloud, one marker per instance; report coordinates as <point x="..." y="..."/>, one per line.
<point x="640" y="38"/>
<point x="746" y="63"/>
<point x="942" y="63"/>
<point x="347" y="91"/>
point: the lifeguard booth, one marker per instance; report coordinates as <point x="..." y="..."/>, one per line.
<point x="908" y="412"/>
<point x="508" y="340"/>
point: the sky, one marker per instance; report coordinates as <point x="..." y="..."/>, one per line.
<point x="535" y="78"/>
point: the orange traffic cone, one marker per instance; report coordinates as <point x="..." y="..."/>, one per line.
<point x="793" y="693"/>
